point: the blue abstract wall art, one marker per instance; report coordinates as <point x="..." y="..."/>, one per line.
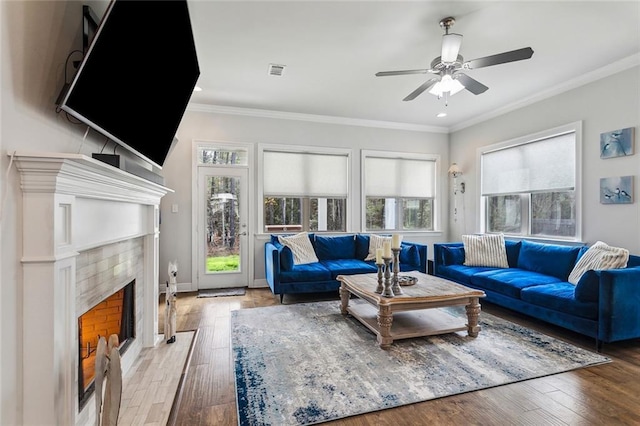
<point x="617" y="143"/>
<point x="616" y="190"/>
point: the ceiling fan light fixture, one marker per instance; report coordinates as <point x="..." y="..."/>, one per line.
<point x="450" y="47"/>
<point x="446" y="84"/>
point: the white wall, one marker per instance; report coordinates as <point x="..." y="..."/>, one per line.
<point x="35" y="39"/>
<point x="175" y="241"/>
<point x="607" y="104"/>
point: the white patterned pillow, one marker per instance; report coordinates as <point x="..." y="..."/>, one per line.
<point x="599" y="256"/>
<point x="485" y="250"/>
<point x="301" y="247"/>
<point x="375" y="242"/>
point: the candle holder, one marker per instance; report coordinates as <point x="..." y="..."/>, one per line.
<point x="396" y="269"/>
<point x="380" y="287"/>
<point x="387" y="292"/>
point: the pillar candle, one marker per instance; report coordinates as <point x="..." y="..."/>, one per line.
<point x="396" y="239"/>
<point x="386" y="246"/>
<point x="379" y="256"/>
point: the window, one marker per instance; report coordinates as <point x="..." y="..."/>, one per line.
<point x="529" y="186"/>
<point x="399" y="192"/>
<point x="212" y="156"/>
<point x="305" y="191"/>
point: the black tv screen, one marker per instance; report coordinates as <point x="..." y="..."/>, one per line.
<point x="135" y="81"/>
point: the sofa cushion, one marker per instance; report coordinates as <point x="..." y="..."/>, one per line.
<point x="485" y="250"/>
<point x="599" y="256"/>
<point x="409" y="255"/>
<point x="342" y="247"/>
<point x="559" y="297"/>
<point x="362" y="246"/>
<point x="348" y="267"/>
<point x="588" y="288"/>
<point x="510" y="281"/>
<point x="306" y="272"/>
<point x="513" y="251"/>
<point x="301" y="247"/>
<point x="286" y="258"/>
<point x="461" y="273"/>
<point x="548" y="259"/>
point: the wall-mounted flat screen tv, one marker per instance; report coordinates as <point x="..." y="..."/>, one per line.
<point x="136" y="78"/>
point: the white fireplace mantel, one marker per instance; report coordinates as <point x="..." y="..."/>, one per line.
<point x="72" y="203"/>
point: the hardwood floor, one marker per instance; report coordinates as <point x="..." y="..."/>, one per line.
<point x="607" y="394"/>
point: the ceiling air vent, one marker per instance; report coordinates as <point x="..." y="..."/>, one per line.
<point x="276" y="70"/>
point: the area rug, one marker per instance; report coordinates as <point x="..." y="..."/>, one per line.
<point x="220" y="292"/>
<point x="306" y="364"/>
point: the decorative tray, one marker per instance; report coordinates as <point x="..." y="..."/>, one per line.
<point x="404" y="280"/>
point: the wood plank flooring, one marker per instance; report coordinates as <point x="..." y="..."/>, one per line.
<point x="607" y="394"/>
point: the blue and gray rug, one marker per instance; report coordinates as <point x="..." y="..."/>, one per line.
<point x="305" y="364"/>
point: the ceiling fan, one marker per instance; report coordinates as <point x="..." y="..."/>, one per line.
<point x="449" y="79"/>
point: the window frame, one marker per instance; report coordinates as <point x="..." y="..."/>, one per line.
<point x="299" y="149"/>
<point x="575" y="127"/>
<point x="436" y="228"/>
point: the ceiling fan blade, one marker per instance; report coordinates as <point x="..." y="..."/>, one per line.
<point x="500" y="58"/>
<point x="450" y="47"/>
<point x="425" y="86"/>
<point x="404" y="72"/>
<point x="474" y="86"/>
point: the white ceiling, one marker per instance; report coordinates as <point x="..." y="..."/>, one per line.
<point x="333" y="49"/>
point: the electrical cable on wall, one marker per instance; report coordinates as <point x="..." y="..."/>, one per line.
<point x="6" y="186"/>
<point x="83" y="139"/>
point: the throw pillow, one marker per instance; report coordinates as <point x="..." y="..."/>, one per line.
<point x="453" y="255"/>
<point x="598" y="257"/>
<point x="375" y="242"/>
<point x="485" y="250"/>
<point x="409" y="255"/>
<point x="301" y="247"/>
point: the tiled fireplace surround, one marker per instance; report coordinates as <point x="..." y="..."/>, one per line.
<point x="88" y="230"/>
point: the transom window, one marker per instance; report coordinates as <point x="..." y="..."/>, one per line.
<point x="399" y="191"/>
<point x="529" y="186"/>
<point x="304" y="191"/>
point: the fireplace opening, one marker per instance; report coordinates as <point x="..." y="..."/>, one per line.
<point x="114" y="315"/>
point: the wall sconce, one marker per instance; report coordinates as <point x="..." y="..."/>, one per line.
<point x="455" y="171"/>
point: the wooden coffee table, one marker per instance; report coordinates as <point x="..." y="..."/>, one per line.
<point x="414" y="313"/>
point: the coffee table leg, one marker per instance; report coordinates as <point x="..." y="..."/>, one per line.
<point x="473" y="312"/>
<point x="344" y="299"/>
<point x="385" y="319"/>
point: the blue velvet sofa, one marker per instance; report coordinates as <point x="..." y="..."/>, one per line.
<point x="337" y="255"/>
<point x="604" y="304"/>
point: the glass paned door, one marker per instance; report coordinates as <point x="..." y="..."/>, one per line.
<point x="222" y="228"/>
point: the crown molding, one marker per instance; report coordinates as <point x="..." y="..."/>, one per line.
<point x="607" y="70"/>
<point x="327" y="119"/>
<point x="598" y="74"/>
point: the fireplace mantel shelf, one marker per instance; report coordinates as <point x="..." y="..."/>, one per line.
<point x="79" y="175"/>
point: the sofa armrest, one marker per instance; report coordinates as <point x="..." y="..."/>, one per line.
<point x="619" y="304"/>
<point x="272" y="266"/>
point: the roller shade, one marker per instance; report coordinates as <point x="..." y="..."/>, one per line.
<point x="399" y="177"/>
<point x="544" y="165"/>
<point x="295" y="174"/>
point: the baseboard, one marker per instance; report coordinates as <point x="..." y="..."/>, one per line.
<point x="259" y="283"/>
<point x="186" y="287"/>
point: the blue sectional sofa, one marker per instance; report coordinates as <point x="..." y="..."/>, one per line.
<point x="604" y="304"/>
<point x="337" y="255"/>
